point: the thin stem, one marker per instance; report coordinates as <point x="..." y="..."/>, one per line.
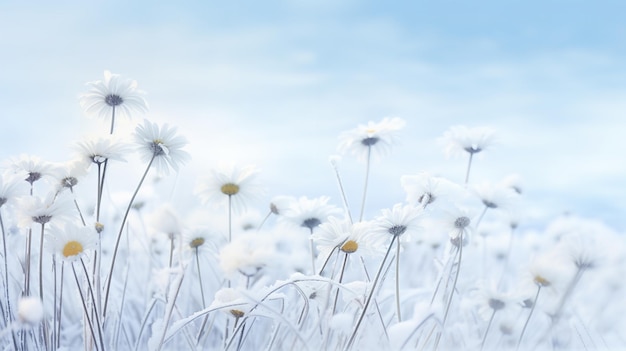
<point x="200" y="279"/>
<point x="521" y="336"/>
<point x="119" y="236"/>
<point x="60" y="305"/>
<point x="456" y="278"/>
<point x="171" y="250"/>
<point x="343" y="268"/>
<point x="41" y="263"/>
<point x="371" y="294"/>
<point x="93" y="298"/>
<point x="343" y="193"/>
<point x="398" y="281"/>
<point x="230" y="218"/>
<point x="112" y="119"/>
<point x="9" y="316"/>
<point x="264" y="220"/>
<point x="27" y="259"/>
<point x="86" y="311"/>
<point x="493" y="314"/>
<point x="170" y="309"/>
<point x="312" y="249"/>
<point x="469" y="165"/>
<point x="367" y="174"/>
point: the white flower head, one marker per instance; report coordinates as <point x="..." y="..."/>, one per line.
<point x="310" y="213"/>
<point x="30" y="310"/>
<point x="401" y="220"/>
<point x="239" y="184"/>
<point x="461" y="139"/>
<point x="348" y="238"/>
<point x="166" y="220"/>
<point x="495" y="195"/>
<point x="70" y="241"/>
<point x="247" y="254"/>
<point x="34" y="167"/>
<point x="34" y="209"/>
<point x="424" y="189"/>
<point x="69" y="173"/>
<point x="99" y="148"/>
<point x="377" y="138"/>
<point x="11" y="187"/>
<point x="161" y="145"/>
<point x="456" y="222"/>
<point x="201" y="238"/>
<point x="114" y="94"/>
<point x="281" y="203"/>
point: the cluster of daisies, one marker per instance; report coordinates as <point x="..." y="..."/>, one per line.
<point x="449" y="267"/>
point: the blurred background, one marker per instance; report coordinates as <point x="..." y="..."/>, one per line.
<point x="274" y="83"/>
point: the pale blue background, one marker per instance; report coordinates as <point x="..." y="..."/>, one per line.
<point x="274" y="83"/>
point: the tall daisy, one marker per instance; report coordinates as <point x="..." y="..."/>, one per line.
<point x="400" y="222"/>
<point x="34" y="167"/>
<point x="462" y="139"/>
<point x="371" y="140"/>
<point x="69" y="241"/>
<point x="113" y="96"/>
<point x="233" y="184"/>
<point x="161" y="146"/>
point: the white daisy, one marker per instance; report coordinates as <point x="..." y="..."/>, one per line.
<point x="34" y="167"/>
<point x="310" y="213"/>
<point x="461" y="139"/>
<point x="70" y="242"/>
<point x="377" y="138"/>
<point x="398" y="221"/>
<point x="34" y="209"/>
<point x="495" y="196"/>
<point x="11" y="187"/>
<point x="230" y="182"/>
<point x="424" y="189"/>
<point x="113" y="96"/>
<point x="247" y="254"/>
<point x="69" y="173"/>
<point x="349" y="238"/>
<point x="98" y="149"/>
<point x="161" y="146"/>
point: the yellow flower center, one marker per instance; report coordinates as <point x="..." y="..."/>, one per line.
<point x="230" y="189"/>
<point x="196" y="242"/>
<point x="349" y="246"/>
<point x="237" y="313"/>
<point x="541" y="281"/>
<point x="72" y="248"/>
<point x="371" y="131"/>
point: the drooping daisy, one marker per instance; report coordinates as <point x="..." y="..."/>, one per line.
<point x="310" y="213"/>
<point x="161" y="146"/>
<point x="113" y="96"/>
<point x="374" y="138"/>
<point x="231" y="183"/>
<point x="98" y="149"/>
<point x="495" y="195"/>
<point x="70" y="241"/>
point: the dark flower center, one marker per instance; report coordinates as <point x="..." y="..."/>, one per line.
<point x="33" y="177"/>
<point x="156" y="148"/>
<point x="490" y="204"/>
<point x="431" y="198"/>
<point x="3" y="200"/>
<point x="42" y="219"/>
<point x="397" y="230"/>
<point x="69" y="182"/>
<point x="113" y="100"/>
<point x="311" y="223"/>
<point x="473" y="150"/>
<point x="461" y="222"/>
<point x="496" y="304"/>
<point x="369" y="141"/>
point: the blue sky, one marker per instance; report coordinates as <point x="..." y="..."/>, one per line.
<point x="274" y="84"/>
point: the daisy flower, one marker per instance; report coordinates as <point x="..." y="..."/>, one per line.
<point x="247" y="254"/>
<point x="349" y="238"/>
<point x="98" y="149"/>
<point x="377" y="138"/>
<point x="310" y="213"/>
<point x="200" y="238"/>
<point x="70" y="241"/>
<point x="495" y="196"/>
<point x="231" y="183"/>
<point x="165" y="220"/>
<point x="461" y="139"/>
<point x="161" y="146"/>
<point x="112" y="96"/>
<point x="424" y="189"/>
<point x="11" y="187"/>
<point x="456" y="222"/>
<point x="398" y="221"/>
<point x="34" y="167"/>
<point x="69" y="173"/>
<point x="34" y="209"/>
